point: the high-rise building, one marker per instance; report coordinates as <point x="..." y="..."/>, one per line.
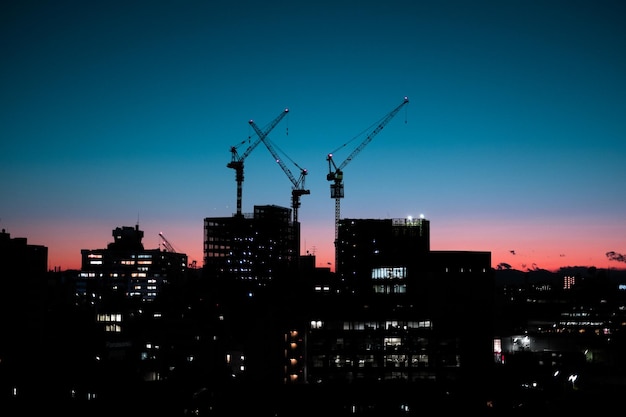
<point x="250" y="263"/>
<point x="403" y="312"/>
<point x="394" y="310"/>
<point x="382" y="250"/>
<point x="251" y="251"/>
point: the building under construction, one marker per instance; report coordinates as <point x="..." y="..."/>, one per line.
<point x="251" y="250"/>
<point x="395" y="310"/>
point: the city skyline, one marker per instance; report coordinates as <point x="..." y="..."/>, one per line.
<point x="119" y="114"/>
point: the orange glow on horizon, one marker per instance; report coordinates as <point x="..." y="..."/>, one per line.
<point x="522" y="246"/>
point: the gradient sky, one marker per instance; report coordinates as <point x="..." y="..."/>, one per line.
<point x="514" y="141"/>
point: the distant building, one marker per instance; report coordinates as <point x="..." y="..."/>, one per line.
<point x="126" y="270"/>
<point x="576" y="312"/>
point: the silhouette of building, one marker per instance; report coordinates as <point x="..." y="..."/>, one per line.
<point x="401" y="312"/>
<point x="125" y="270"/>
<point x="398" y="329"/>
<point x="251" y="251"/>
<point x="18" y="256"/>
<point x="394" y="311"/>
<point x="382" y="250"/>
<point x="118" y="289"/>
<point x="23" y="269"/>
<point x="249" y="263"/>
<point x="577" y="312"/>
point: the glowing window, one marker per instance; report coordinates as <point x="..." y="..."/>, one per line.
<point x="389" y="273"/>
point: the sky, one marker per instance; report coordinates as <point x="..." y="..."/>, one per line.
<point x="120" y="113"/>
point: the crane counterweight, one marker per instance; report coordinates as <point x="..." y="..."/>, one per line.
<point x="236" y="162"/>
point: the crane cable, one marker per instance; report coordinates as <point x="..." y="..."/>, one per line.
<point x="367" y="129"/>
<point x="286" y="156"/>
<point x="264" y="129"/>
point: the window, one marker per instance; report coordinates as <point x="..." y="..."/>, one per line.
<point x="316" y="324"/>
<point x="385" y="273"/>
<point x="392" y="341"/>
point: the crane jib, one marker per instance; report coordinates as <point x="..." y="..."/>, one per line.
<point x="337" y="188"/>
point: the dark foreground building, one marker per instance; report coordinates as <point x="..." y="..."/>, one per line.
<point x="394" y="315"/>
<point x="23" y="268"/>
<point x="398" y="329"/>
<point x="400" y="313"/>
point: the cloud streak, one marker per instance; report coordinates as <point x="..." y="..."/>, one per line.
<point x="614" y="256"/>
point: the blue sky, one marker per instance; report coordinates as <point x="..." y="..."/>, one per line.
<point x="114" y="113"/>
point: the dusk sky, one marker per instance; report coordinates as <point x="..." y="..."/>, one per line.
<point x="513" y="142"/>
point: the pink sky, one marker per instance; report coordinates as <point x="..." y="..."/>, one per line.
<point x="547" y="245"/>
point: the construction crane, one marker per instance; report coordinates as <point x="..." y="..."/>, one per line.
<point x="335" y="172"/>
<point x="236" y="162"/>
<point x="298" y="185"/>
<point x="166" y="244"/>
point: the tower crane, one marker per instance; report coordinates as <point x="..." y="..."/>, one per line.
<point x="336" y="176"/>
<point x="298" y="185"/>
<point x="236" y="162"/>
<point x="168" y="246"/>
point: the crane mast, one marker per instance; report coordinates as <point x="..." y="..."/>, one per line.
<point x="335" y="172"/>
<point x="298" y="185"/>
<point x="236" y="162"/>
